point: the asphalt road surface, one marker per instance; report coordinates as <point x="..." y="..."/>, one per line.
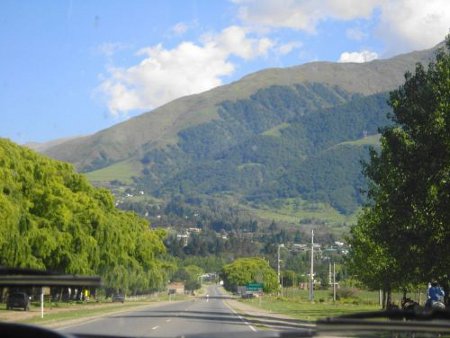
<point x="203" y="317"/>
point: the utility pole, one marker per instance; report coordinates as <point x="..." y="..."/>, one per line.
<point x="311" y="273"/>
<point x="330" y="276"/>
<point x="278" y="264"/>
<point x="334" y="282"/>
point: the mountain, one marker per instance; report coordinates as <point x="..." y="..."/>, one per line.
<point x="159" y="128"/>
<point x="297" y="132"/>
<point x="43" y="146"/>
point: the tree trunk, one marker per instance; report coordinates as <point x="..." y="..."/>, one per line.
<point x="383" y="302"/>
<point x="446" y="288"/>
<point x="389" y="299"/>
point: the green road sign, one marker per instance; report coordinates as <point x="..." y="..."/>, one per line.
<point x="254" y="286"/>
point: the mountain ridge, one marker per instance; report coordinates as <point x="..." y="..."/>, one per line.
<point x="275" y="136"/>
<point x="159" y="127"/>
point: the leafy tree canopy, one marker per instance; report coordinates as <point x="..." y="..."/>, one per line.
<point x="52" y="218"/>
<point x="403" y="235"/>
<point x="249" y="270"/>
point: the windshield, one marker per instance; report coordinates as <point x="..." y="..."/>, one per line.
<point x="230" y="167"/>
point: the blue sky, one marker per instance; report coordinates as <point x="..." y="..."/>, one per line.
<point x="74" y="67"/>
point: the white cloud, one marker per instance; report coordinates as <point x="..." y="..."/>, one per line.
<point x="401" y="24"/>
<point x="407" y="24"/>
<point x="108" y="49"/>
<point x="180" y="28"/>
<point x="301" y="15"/>
<point x="189" y="68"/>
<point x="356" y="33"/>
<point x="350" y="9"/>
<point x="192" y="67"/>
<point x="234" y="40"/>
<point x="359" y="57"/>
<point x="288" y="47"/>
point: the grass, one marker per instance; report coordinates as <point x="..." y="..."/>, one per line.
<point x="249" y="165"/>
<point x="295" y="303"/>
<point x="298" y="211"/>
<point x="121" y="171"/>
<point x="275" y="131"/>
<point x="308" y="311"/>
<point x="369" y="140"/>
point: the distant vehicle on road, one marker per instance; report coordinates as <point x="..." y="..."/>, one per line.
<point x="18" y="300"/>
<point x="248" y="295"/>
<point x="118" y="298"/>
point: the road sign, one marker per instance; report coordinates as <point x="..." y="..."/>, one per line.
<point x="254" y="286"/>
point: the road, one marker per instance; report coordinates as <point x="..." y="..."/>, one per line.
<point x="199" y="317"/>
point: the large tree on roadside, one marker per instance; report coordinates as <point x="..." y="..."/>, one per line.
<point x="249" y="270"/>
<point x="408" y="218"/>
<point x="52" y="218"/>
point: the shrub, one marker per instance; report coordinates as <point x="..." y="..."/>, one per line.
<point x="346" y="293"/>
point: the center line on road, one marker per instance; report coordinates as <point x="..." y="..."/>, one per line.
<point x="167" y="320"/>
<point x="241" y="318"/>
<point x="155" y="327"/>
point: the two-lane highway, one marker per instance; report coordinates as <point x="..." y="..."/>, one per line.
<point x="207" y="317"/>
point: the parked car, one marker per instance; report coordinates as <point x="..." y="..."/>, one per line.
<point x="18" y="300"/>
<point x="118" y="298"/>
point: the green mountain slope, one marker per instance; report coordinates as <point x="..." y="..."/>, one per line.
<point x="160" y="127"/>
<point x="294" y="133"/>
<point x="305" y="159"/>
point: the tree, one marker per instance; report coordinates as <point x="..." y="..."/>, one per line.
<point x="406" y="226"/>
<point x="52" y="218"/>
<point x="190" y="275"/>
<point x="369" y="261"/>
<point x="289" y="278"/>
<point x="249" y="270"/>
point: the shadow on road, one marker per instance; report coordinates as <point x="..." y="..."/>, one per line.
<point x="222" y="317"/>
<point x="217" y="297"/>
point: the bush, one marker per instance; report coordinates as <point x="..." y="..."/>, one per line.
<point x="192" y="285"/>
<point x="343" y="293"/>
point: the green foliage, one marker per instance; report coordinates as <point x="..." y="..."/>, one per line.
<point x="249" y="270"/>
<point x="268" y="121"/>
<point x="405" y="230"/>
<point x="333" y="176"/>
<point x="52" y="218"/>
<point x="190" y="275"/>
<point x="304" y="158"/>
<point x="121" y="171"/>
<point x="289" y="278"/>
<point x="207" y="264"/>
<point x="192" y="285"/>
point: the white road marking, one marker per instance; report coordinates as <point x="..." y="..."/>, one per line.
<point x="155" y="327"/>
<point x="168" y="320"/>
<point x="241" y="318"/>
